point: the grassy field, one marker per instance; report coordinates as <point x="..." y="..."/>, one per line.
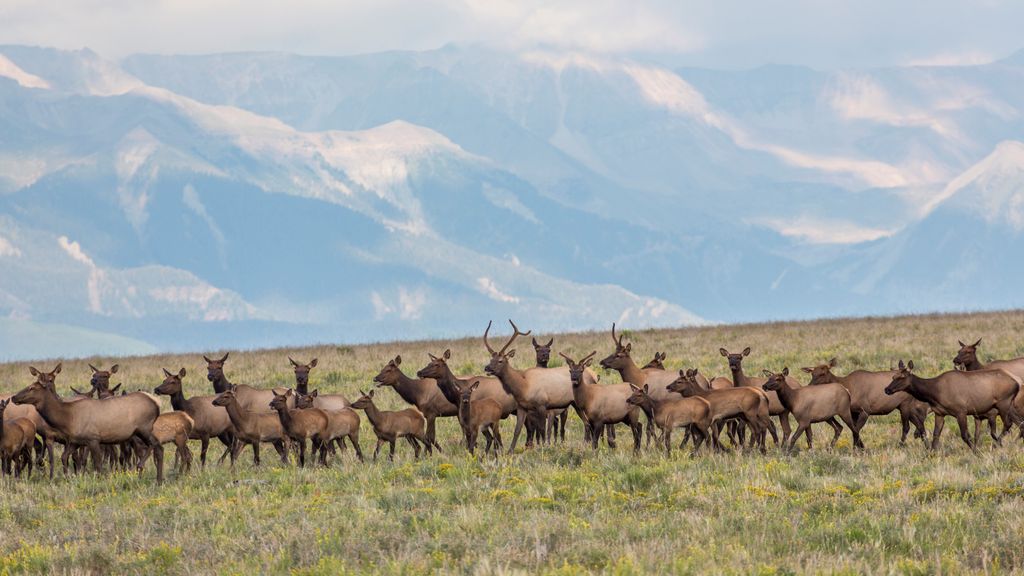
<point x="561" y="509"/>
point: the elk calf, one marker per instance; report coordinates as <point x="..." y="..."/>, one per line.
<point x="673" y="413"/>
<point x="208" y="421"/>
<point x="476" y="415"/>
<point x="252" y="427"/>
<point x="391" y="425"/>
<point x="301" y="425"/>
<point x="813" y="404"/>
<point x="745" y="403"/>
<point x="16" y="440"/>
<point x="341" y="424"/>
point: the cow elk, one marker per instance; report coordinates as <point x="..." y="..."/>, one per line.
<point x="603" y="405"/>
<point x="744" y="403"/>
<point x="16" y="440"/>
<point x="813" y="404"/>
<point x="775" y="405"/>
<point x="301" y="425"/>
<point x="674" y="412"/>
<point x="208" y="421"/>
<point x="249" y="398"/>
<point x="555" y="425"/>
<point x="321" y="401"/>
<point x="423" y="393"/>
<point x="252" y="428"/>
<point x="967" y="359"/>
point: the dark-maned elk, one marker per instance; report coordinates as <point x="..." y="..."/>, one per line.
<point x="93" y="423"/>
<point x="208" y="421"/>
<point x="745" y="403"/>
<point x="775" y="406"/>
<point x="868" y="397"/>
<point x="322" y="401"/>
<point x="47" y="435"/>
<point x="967" y="358"/>
<point x="301" y="425"/>
<point x="17" y="436"/>
<point x="341" y="424"/>
<point x="252" y="427"/>
<point x="389" y="426"/>
<point x="100" y="380"/>
<point x="479" y="414"/>
<point x="675" y="412"/>
<point x="658" y="362"/>
<point x="960" y="394"/>
<point x="423" y="393"/>
<point x="603" y="405"/>
<point x="810" y="405"/>
<point x="555" y="425"/>
<point x="249" y="398"/>
<point x="536" y="390"/>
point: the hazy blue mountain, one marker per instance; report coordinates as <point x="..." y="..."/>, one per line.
<point x="185" y="202"/>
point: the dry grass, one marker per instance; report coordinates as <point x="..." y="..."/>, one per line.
<point x="560" y="509"/>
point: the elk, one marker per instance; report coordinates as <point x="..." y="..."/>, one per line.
<point x="536" y="390"/>
<point x="251" y="427"/>
<point x="96" y="422"/>
<point x="392" y="425"/>
<point x="480" y="414"/>
<point x="100" y="380"/>
<point x="656" y="363"/>
<point x="249" y="398"/>
<point x="603" y="405"/>
<point x="46" y="434"/>
<point x="748" y="404"/>
<point x="341" y="424"/>
<point x="775" y="405"/>
<point x="675" y="412"/>
<point x="423" y="393"/>
<point x="813" y="404"/>
<point x="176" y="427"/>
<point x="555" y="426"/>
<point x="868" y="397"/>
<point x="208" y="421"/>
<point x="321" y="401"/>
<point x="302" y="425"/>
<point x="960" y="394"/>
<point x="17" y="436"/>
<point x="967" y="358"/>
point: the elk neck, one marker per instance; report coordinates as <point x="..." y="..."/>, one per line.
<point x="973" y="365"/>
<point x="178" y="400"/>
<point x="513" y="381"/>
<point x="786" y="395"/>
<point x="54" y="411"/>
<point x="411" y="390"/>
<point x="221" y="383"/>
<point x="373" y="414"/>
<point x="632" y="373"/>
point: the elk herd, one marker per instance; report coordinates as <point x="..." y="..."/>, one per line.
<point x="116" y="428"/>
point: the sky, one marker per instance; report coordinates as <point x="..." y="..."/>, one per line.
<point x="715" y="33"/>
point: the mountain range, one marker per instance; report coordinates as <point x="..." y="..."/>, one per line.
<point x="256" y="199"/>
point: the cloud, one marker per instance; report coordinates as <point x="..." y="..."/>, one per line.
<point x="814" y="230"/>
<point x="8" y="249"/>
<point x="490" y="288"/>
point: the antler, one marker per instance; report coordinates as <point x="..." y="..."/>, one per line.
<point x="486" y="343"/>
<point x="515" y="334"/>
<point x="618" y="341"/>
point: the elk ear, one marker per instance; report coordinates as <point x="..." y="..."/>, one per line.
<point x="113" y="369"/>
<point x="447" y="354"/>
<point x="746" y="351"/>
<point x="511" y="353"/>
<point x="181" y="373"/>
<point x="634" y="387"/>
<point x="294" y="363"/>
<point x="975" y="345"/>
<point x="629" y="347"/>
<point x="208" y="361"/>
<point x="647" y="389"/>
<point x="785" y="371"/>
<point x="535" y="343"/>
<point x="398" y="360"/>
<point x="723" y="352"/>
<point x="371" y="393"/>
<point x="56" y="369"/>
<point x="767" y="373"/>
<point x="116" y="388"/>
<point x="833" y="363"/>
<point x="910" y="365"/>
<point x="312" y="363"/>
<point x="91" y="367"/>
<point x="32" y="370"/>
<point x="166" y="373"/>
<point x="961" y="343"/>
<point x="682" y="373"/>
<point x="225" y="358"/>
<point x="550" y="342"/>
<point x="474" y="385"/>
<point x="314" y="393"/>
<point x="901" y="365"/>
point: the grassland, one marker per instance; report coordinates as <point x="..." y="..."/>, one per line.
<point x="561" y="509"/>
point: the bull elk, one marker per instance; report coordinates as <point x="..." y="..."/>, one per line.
<point x="321" y="401"/>
<point x="208" y="421"/>
<point x="868" y="397"/>
<point x="423" y="393"/>
<point x="603" y="405"/>
<point x="392" y="425"/>
<point x="536" y="390"/>
<point x="810" y="405"/>
<point x="960" y="394"/>
<point x="674" y="412"/>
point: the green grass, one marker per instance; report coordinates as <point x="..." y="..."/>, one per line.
<point x="560" y="509"/>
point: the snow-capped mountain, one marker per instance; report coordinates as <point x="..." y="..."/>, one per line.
<point x="257" y="199"/>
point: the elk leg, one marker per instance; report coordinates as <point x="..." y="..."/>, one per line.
<point x="904" y="426"/>
<point x="97" y="455"/>
<point x="521" y="416"/>
<point x="686" y="437"/>
<point x="667" y="434"/>
<point x="701" y="435"/>
<point x="837" y="431"/>
<point x="49" y="455"/>
<point x="770" y="427"/>
<point x="282" y="447"/>
<point x="784" y="425"/>
<point x="800" y="429"/>
<point x="638" y="431"/>
<point x="609" y="435"/>
<point x="992" y="429"/>
<point x="354" y="439"/>
<point x="391" y="455"/>
<point x="302" y="452"/>
<point x="431" y="431"/>
<point x="204" y="444"/>
<point x="377" y="449"/>
<point x="965" y="435"/>
<point x="940" y="423"/>
<point x="489" y="438"/>
<point x="598" y="427"/>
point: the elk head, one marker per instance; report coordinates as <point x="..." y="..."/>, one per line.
<point x="365" y="400"/>
<point x="822" y="373"/>
<point x="215" y="369"/>
<point x="576" y="369"/>
<point x="280" y="401"/>
<point x="225" y="398"/>
<point x="47" y="379"/>
<point x="658" y="362"/>
<point x="902" y="379"/>
<point x="34" y="394"/>
<point x="619" y="359"/>
<point x="968" y="354"/>
<point x="437" y="368"/>
<point x="735" y="360"/>
<point x="466" y="393"/>
<point x="390" y="374"/>
<point x="171" y="384"/>
<point x="500" y="358"/>
<point x="101" y="378"/>
<point x="775" y="380"/>
<point x="640" y="396"/>
<point x="302" y="373"/>
<point x="543" y="352"/>
<point x="686" y="384"/>
<point x="303" y="401"/>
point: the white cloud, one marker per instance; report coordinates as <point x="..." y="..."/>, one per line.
<point x="8" y="249"/>
<point x="814" y="230"/>
<point x="11" y="70"/>
<point x="488" y="287"/>
<point x="74" y="249"/>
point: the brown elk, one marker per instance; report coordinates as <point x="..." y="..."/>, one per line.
<point x="423" y="393"/>
<point x="657" y="363"/>
<point x="321" y="401"/>
<point x="341" y="424"/>
<point x="536" y="390"/>
<point x="46" y="434"/>
<point x="960" y="394"/>
<point x="301" y="425"/>
<point x="775" y="405"/>
<point x="812" y="404"/>
<point x="480" y="414"/>
<point x="392" y="425"/>
<point x="745" y="403"/>
<point x="17" y="436"/>
<point x="96" y="422"/>
<point x="555" y="425"/>
<point x="867" y="392"/>
<point x="176" y="427"/>
<point x="251" y="427"/>
<point x="674" y="412"/>
<point x="967" y="358"/>
<point x="603" y="405"/>
<point x="208" y="421"/>
<point x="100" y="380"/>
<point x="249" y="398"/>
